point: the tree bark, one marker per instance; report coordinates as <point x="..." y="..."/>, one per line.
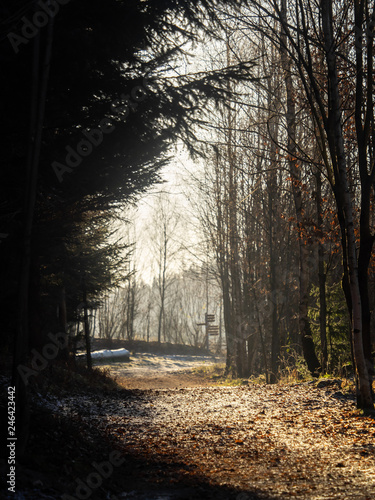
<point x="162" y="278"/>
<point x="364" y="394"/>
<point x="322" y="276"/>
<point x="86" y="324"/>
<point x="364" y="128"/>
<point x="273" y="104"/>
<point x="308" y="346"/>
<point x="237" y="366"/>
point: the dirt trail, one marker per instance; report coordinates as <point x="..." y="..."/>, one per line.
<point x="181" y="438"/>
<point x="256" y="441"/>
<point x="164" y="381"/>
<point x="153" y="371"/>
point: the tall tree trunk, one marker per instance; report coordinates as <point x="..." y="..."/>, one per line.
<point x="274" y="118"/>
<point x="86" y="324"/>
<point x="64" y="354"/>
<point x="237" y="366"/>
<point x="162" y="279"/>
<point x="235" y="274"/>
<point x="261" y="336"/>
<point x="364" y="120"/>
<point x="295" y="171"/>
<point x="39" y="87"/>
<point x="222" y="255"/>
<point x="149" y="308"/>
<point x="364" y="394"/>
<point x="322" y="276"/>
<point x="130" y="310"/>
<point x="248" y="287"/>
<point x="230" y="339"/>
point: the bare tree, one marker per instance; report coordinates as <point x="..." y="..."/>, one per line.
<point x="313" y="36"/>
<point x="163" y="233"/>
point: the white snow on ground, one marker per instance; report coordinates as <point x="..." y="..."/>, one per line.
<point x="108" y="354"/>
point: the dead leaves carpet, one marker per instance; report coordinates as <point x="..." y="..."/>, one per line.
<point x="277" y="441"/>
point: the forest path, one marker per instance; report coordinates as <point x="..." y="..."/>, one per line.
<point x="255" y="441"/>
<point x="161" y="371"/>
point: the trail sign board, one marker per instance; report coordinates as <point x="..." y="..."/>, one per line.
<point x="213" y="330"/>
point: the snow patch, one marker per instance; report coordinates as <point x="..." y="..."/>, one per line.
<point x="108" y="354"/>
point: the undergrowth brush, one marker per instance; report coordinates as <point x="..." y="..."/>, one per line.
<point x="65" y="377"/>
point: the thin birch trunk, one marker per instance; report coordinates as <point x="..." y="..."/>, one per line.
<point x="322" y="276"/>
<point x="295" y="171"/>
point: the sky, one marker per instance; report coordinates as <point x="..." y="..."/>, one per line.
<point x="177" y="189"/>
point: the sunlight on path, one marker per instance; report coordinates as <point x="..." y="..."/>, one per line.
<point x="149" y="365"/>
<point x="283" y="440"/>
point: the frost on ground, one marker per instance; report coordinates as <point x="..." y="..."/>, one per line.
<point x="145" y="370"/>
<point x="199" y="443"/>
<point x="274" y="441"/>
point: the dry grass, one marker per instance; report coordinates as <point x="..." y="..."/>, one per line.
<point x="61" y="377"/>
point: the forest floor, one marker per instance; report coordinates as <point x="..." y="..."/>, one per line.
<point x="181" y="436"/>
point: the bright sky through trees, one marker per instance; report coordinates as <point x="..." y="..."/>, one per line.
<point x="175" y="190"/>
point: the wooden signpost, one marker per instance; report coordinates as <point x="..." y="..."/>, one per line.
<point x="210" y="329"/>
